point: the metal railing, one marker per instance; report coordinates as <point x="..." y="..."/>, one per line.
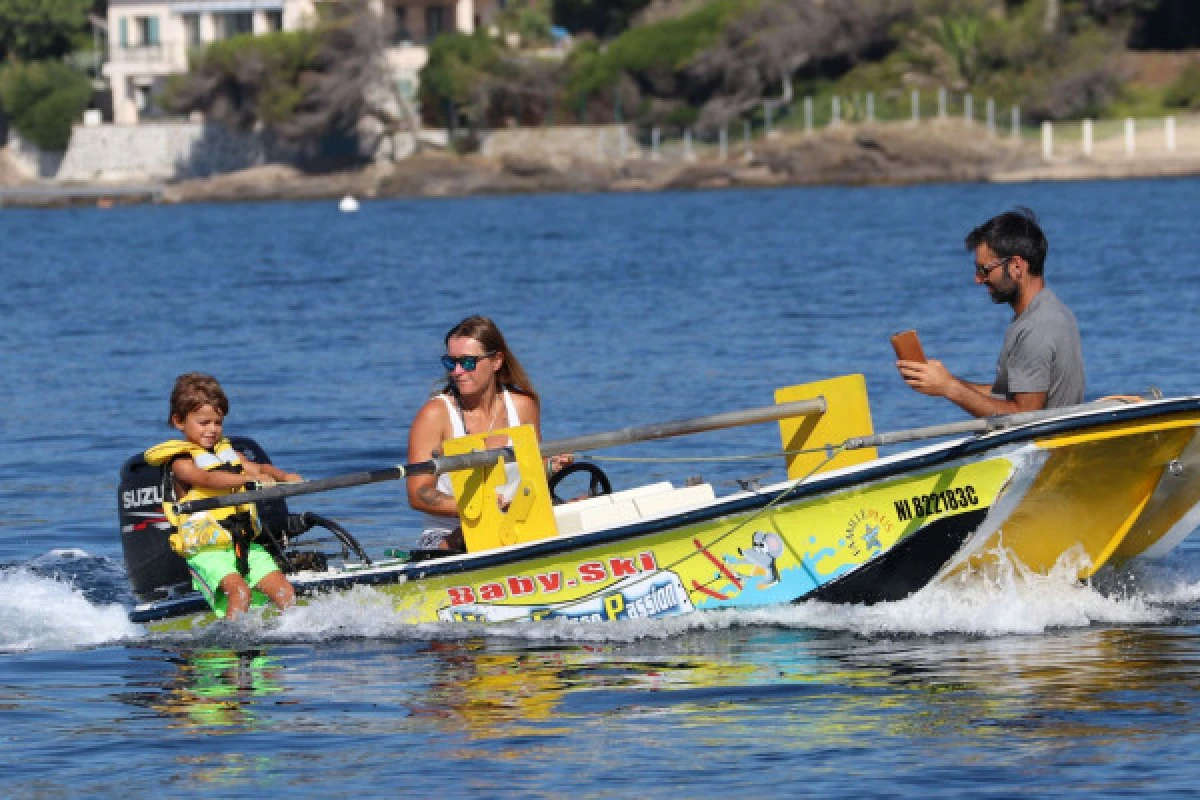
<point x="174" y="53"/>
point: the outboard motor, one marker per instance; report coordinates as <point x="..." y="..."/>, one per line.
<point x="155" y="571"/>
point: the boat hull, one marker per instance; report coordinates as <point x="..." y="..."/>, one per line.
<point x="1099" y="486"/>
<point x="1101" y="495"/>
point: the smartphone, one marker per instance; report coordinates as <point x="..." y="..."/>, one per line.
<point x="908" y="346"/>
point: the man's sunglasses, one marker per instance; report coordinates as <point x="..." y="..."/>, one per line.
<point x="468" y="363"/>
<point x="983" y="270"/>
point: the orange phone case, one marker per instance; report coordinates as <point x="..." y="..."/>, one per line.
<point x="908" y="346"/>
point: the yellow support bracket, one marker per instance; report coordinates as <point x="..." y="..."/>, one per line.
<point x="530" y="513"/>
<point x="847" y="414"/>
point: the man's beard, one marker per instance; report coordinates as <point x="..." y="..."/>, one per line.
<point x="1003" y="294"/>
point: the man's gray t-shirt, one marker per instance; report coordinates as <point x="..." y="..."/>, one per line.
<point x="1042" y="353"/>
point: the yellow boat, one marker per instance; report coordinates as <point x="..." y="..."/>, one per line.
<point x="1099" y="483"/>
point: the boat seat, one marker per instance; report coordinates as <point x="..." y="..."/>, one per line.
<point x="569" y="516"/>
<point x="642" y="491"/>
<point x="690" y="496"/>
<point x="628" y="506"/>
<point x="616" y="497"/>
<point x="617" y="513"/>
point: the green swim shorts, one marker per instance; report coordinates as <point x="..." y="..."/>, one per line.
<point x="209" y="568"/>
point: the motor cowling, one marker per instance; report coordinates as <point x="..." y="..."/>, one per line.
<point x="155" y="571"/>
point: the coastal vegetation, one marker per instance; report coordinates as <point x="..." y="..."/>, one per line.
<point x="43" y="99"/>
<point x="1185" y="92"/>
<point x="302" y="89"/>
<point x="40" y="95"/>
<point x="706" y="64"/>
<point x="41" y="29"/>
<point x="670" y="64"/>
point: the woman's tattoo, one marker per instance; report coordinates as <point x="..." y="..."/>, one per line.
<point x="430" y="494"/>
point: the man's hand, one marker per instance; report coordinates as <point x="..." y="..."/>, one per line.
<point x="927" y="377"/>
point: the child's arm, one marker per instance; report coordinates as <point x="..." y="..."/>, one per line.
<point x="186" y="471"/>
<point x="258" y="471"/>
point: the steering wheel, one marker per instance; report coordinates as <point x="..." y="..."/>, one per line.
<point x="598" y="482"/>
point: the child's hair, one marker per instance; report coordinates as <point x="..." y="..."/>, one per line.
<point x="194" y="390"/>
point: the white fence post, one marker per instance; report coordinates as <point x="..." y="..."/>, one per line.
<point x="941" y="103"/>
<point x="991" y="117"/>
<point x="1130" y="138"/>
<point x="724" y="143"/>
<point x="870" y="108"/>
<point x="1170" y="133"/>
<point x="969" y="110"/>
<point x="836" y="117"/>
<point x="768" y="108"/>
<point x="1016" y="122"/>
<point x="655" y="135"/>
<point x="1087" y="138"/>
<point x="808" y="114"/>
<point x="916" y="107"/>
<point x="746" y="139"/>
<point x="688" y="153"/>
<point x="1047" y="140"/>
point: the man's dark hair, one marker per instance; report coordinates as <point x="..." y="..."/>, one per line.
<point x="1013" y="233"/>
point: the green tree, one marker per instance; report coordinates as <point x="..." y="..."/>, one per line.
<point x="43" y="100"/>
<point x="458" y="68"/>
<point x="247" y="81"/>
<point x="1185" y="91"/>
<point x="40" y="29"/>
<point x="303" y="88"/>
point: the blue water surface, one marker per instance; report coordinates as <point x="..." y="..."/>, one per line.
<point x="325" y="330"/>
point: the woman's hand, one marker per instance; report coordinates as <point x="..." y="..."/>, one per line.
<point x="555" y="463"/>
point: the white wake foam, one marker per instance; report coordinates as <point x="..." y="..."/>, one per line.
<point x="1010" y="600"/>
<point x="40" y="613"/>
<point x="44" y="613"/>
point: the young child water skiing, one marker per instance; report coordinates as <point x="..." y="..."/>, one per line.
<point x="221" y="556"/>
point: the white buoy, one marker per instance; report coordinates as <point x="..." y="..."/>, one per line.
<point x="348" y="205"/>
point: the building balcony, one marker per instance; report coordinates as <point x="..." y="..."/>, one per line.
<point x="163" y="57"/>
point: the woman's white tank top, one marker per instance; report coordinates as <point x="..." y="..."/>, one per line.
<point x="512" y="472"/>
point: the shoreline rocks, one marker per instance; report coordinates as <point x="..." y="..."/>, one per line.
<point x="848" y="155"/>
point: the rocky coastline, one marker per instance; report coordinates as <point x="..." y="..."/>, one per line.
<point x="848" y="155"/>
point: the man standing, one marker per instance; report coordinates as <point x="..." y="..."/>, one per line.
<point x="1041" y="363"/>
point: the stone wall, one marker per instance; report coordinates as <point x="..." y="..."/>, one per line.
<point x="562" y="144"/>
<point x="157" y="152"/>
<point x="30" y="159"/>
<point x="171" y="151"/>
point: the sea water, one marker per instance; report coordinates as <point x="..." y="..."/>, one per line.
<point x="325" y="330"/>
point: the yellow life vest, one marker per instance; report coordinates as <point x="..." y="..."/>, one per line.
<point x="203" y="529"/>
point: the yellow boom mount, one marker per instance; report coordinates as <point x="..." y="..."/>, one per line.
<point x="529" y="515"/>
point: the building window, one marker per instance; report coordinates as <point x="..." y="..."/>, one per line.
<point x="191" y="29"/>
<point x="234" y="23"/>
<point x="400" y="31"/>
<point x="274" y="21"/>
<point x="147" y="28"/>
<point x="123" y="32"/>
<point x="435" y="21"/>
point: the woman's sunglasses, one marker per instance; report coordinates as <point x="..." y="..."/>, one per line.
<point x="468" y="363"/>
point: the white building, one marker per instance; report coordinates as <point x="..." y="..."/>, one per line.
<point x="150" y="39"/>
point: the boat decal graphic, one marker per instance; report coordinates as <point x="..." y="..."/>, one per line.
<point x="765" y="548"/>
<point x="717" y="563"/>
<point x="642" y="596"/>
<point x="548" y="583"/>
<point x="144" y="496"/>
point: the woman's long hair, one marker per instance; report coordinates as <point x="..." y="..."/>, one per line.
<point x="483" y="330"/>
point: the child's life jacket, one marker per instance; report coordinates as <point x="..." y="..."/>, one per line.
<point x="204" y="529"/>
